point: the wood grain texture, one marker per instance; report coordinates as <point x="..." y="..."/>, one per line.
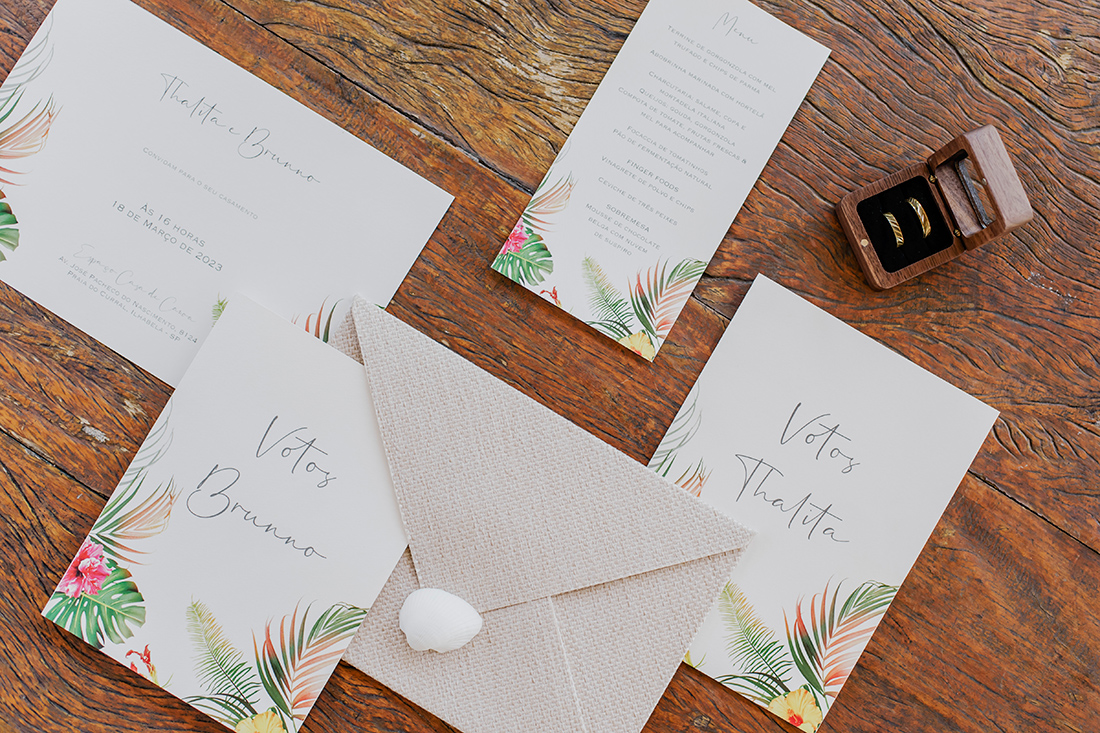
<point x="997" y="625"/>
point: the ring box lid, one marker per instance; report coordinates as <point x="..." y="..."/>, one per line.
<point x="965" y="194"/>
<point x="985" y="152"/>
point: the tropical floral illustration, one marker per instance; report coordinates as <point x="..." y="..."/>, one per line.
<point x="22" y="135"/>
<point x="823" y="643"/>
<point x="799" y="709"/>
<point x="684" y="427"/>
<point x="641" y="319"/>
<point x="525" y="257"/>
<point x="291" y="665"/>
<point x="97" y="599"/>
<point x="266" y="722"/>
<point x="552" y="296"/>
<point x="142" y="663"/>
<point x="314" y="320"/>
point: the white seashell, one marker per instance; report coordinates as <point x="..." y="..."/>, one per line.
<point x="437" y="620"/>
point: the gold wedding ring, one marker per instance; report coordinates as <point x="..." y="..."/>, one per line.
<point x="896" y="227"/>
<point x="925" y="225"/>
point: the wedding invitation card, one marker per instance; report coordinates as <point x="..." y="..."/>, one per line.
<point x="842" y="455"/>
<point x="649" y="181"/>
<point x="252" y="531"/>
<point x="146" y="178"/>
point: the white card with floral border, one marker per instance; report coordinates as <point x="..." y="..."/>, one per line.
<point x="636" y="203"/>
<point x="842" y="455"/>
<point x="255" y="526"/>
<point x="143" y="178"/>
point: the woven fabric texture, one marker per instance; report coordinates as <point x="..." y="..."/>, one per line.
<point x="592" y="572"/>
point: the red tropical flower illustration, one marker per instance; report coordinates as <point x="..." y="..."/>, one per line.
<point x="145" y="658"/>
<point x="86" y="572"/>
<point x="551" y="295"/>
<point x="515" y="240"/>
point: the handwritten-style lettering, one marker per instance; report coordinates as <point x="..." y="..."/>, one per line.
<point x="208" y="502"/>
<point x="728" y="23"/>
<point x="291" y="445"/>
<point x="254" y="143"/>
<point x="814" y="432"/>
<point x="817" y="520"/>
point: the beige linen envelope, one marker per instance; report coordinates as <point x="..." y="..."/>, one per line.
<point x="591" y="572"/>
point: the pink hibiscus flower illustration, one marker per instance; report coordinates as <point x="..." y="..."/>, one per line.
<point x="516" y="240"/>
<point x="86" y="572"/>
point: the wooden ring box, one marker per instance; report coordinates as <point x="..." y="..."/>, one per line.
<point x="969" y="192"/>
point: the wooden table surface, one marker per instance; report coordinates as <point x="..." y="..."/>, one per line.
<point x="998" y="625"/>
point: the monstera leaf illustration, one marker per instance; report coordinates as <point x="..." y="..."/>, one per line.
<point x="111" y="613"/>
<point x="9" y="232"/>
<point x="525" y="257"/>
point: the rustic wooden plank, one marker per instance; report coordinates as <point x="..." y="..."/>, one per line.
<point x="996" y="626"/>
<point x="454" y="65"/>
<point x="72" y="401"/>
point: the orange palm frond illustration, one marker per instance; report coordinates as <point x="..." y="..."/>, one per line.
<point x="314" y="321"/>
<point x="121" y="525"/>
<point x="694" y="479"/>
<point x="25" y="137"/>
<point x="548" y="201"/>
<point x="658" y="296"/>
<point x="826" y="645"/>
<point x="295" y="667"/>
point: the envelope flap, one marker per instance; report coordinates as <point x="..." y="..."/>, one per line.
<point x="505" y="501"/>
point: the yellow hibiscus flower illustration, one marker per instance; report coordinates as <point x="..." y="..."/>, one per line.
<point x="266" y="722"/>
<point x="799" y="709"/>
<point x="640" y="344"/>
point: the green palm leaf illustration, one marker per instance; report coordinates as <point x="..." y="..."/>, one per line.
<point x="827" y="647"/>
<point x="31" y="64"/>
<point x="528" y="266"/>
<point x="611" y="309"/>
<point x="753" y="648"/>
<point x="295" y="667"/>
<point x="230" y="683"/>
<point x="547" y="202"/>
<point x="9" y="232"/>
<point x="683" y="428"/>
<point x="120" y="525"/>
<point x="218" y="308"/>
<point x="658" y="299"/>
<point x="314" y="321"/>
<point x="112" y="613"/>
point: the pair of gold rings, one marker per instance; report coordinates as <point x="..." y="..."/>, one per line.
<point x="925" y="224"/>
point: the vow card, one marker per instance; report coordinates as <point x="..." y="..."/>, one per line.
<point x="649" y="181"/>
<point x="254" y="528"/>
<point x="147" y="178"/>
<point x="842" y="455"/>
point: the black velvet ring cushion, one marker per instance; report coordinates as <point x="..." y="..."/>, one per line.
<point x="916" y="247"/>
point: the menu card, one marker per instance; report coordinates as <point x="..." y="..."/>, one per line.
<point x="649" y="181"/>
<point x="254" y="528"/>
<point x="146" y="178"/>
<point x="842" y="455"/>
